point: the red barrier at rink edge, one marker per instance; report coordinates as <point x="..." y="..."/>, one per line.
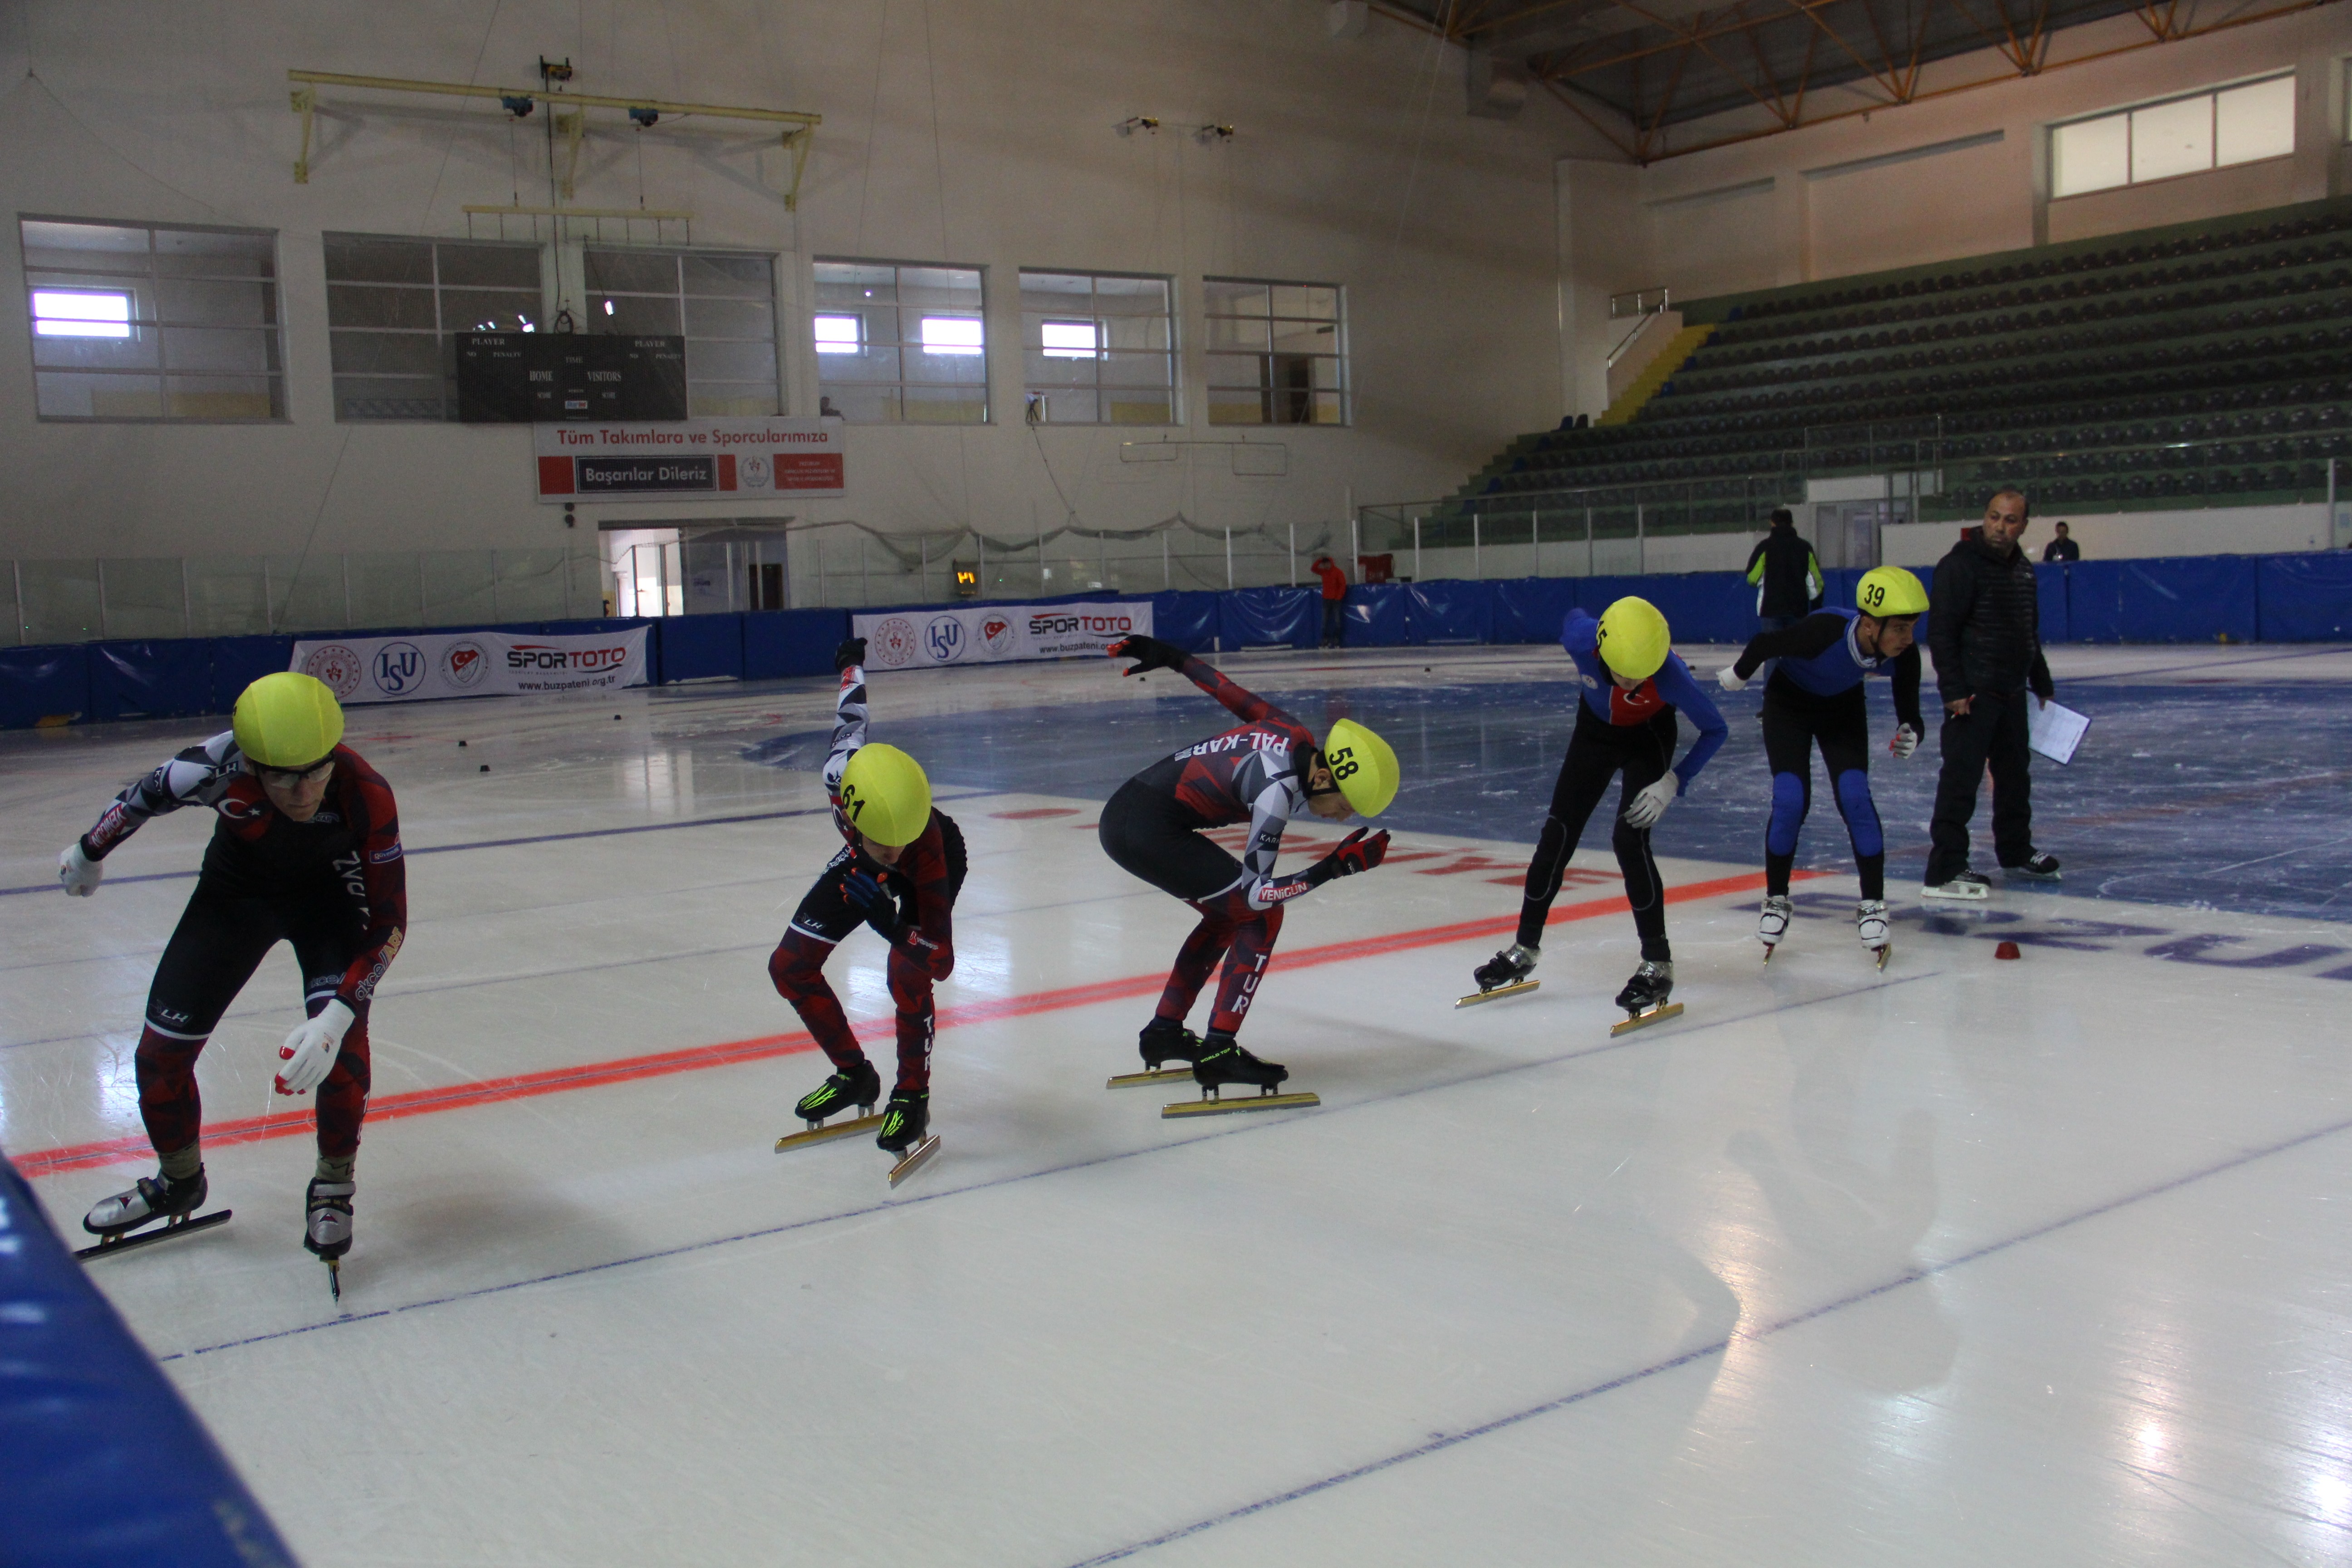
<point x="694" y="1059"/>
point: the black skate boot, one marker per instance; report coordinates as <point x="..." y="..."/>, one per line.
<point x="859" y="1086"/>
<point x="2041" y="867"/>
<point x="904" y="1121"/>
<point x="1223" y="1062"/>
<point x="1165" y="1040"/>
<point x="1645" y="996"/>
<point x="1505" y="975"/>
<point x="155" y="1197"/>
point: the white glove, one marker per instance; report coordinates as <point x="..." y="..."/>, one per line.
<point x="78" y="873"/>
<point x="1906" y="741"/>
<point x="1652" y="802"/>
<point x="1730" y="677"/>
<point x="310" y="1051"/>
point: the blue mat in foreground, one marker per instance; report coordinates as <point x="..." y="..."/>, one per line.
<point x="102" y="1465"/>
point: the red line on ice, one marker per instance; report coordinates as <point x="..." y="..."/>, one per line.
<point x="696" y="1058"/>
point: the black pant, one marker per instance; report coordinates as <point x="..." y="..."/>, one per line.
<point x="1334" y="621"/>
<point x="1793" y="725"/>
<point x="1596" y="751"/>
<point x="1993" y="732"/>
<point x="1149" y="836"/>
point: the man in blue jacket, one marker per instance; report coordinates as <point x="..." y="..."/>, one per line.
<point x="1633" y="685"/>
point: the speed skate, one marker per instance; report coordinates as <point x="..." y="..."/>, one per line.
<point x="175" y="1226"/>
<point x="1210" y="1104"/>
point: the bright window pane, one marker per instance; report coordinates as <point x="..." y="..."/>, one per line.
<point x="839" y="334"/>
<point x="2090" y="156"/>
<point x="2256" y="121"/>
<point x="951" y="335"/>
<point x="79" y="313"/>
<point x="1071" y="340"/>
<point x="2172" y="139"/>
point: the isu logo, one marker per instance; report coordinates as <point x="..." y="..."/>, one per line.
<point x="338" y="665"/>
<point x="944" y="637"/>
<point x="892" y="643"/>
<point x="399" y="669"/>
<point x="464" y="663"/>
<point x="997" y="634"/>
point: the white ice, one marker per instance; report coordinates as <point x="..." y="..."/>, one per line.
<point x="1970" y="1261"/>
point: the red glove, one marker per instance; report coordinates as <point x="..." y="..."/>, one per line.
<point x="1355" y="853"/>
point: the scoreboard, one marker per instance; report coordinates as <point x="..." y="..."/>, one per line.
<point x="539" y="378"/>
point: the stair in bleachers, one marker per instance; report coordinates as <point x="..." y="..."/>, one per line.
<point x="1656" y="375"/>
<point x="2183" y="366"/>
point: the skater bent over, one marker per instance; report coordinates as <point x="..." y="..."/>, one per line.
<point x="1632" y="684"/>
<point x="1984" y="629"/>
<point x="1815" y="698"/>
<point x="899" y="870"/>
<point x="305" y="850"/>
<point x="1266" y="773"/>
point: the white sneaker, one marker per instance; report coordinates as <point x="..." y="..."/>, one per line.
<point x="1966" y="887"/>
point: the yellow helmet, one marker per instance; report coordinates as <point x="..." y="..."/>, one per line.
<point x="885" y="795"/>
<point x="287" y="720"/>
<point x="1634" y="640"/>
<point x="1363" y="765"/>
<point x="1890" y="591"/>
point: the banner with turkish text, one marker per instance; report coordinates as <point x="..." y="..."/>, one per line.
<point x="689" y="459"/>
<point x="996" y="633"/>
<point x="472" y="664"/>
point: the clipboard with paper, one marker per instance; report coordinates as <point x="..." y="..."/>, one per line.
<point x="2055" y="731"/>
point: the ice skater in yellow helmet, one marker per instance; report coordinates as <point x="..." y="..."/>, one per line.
<point x="1814" y="698"/>
<point x="306" y="849"/>
<point x="1266" y="773"/>
<point x="899" y="870"/>
<point x="1631" y="684"/>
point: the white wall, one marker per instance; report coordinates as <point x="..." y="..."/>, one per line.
<point x="1951" y="176"/>
<point x="2111" y="536"/>
<point x="979" y="133"/>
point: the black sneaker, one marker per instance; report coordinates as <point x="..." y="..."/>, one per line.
<point x="1223" y="1062"/>
<point x="2036" y="865"/>
<point x="859" y="1086"/>
<point x="1167" y="1040"/>
<point x="905" y="1119"/>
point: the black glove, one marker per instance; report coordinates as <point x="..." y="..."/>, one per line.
<point x="851" y="651"/>
<point x="1355" y="853"/>
<point x="1150" y="652"/>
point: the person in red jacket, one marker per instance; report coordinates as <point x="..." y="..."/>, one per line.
<point x="1335" y="598"/>
<point x="305" y="850"/>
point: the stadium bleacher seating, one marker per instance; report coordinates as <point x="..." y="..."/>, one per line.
<point x="2201" y="364"/>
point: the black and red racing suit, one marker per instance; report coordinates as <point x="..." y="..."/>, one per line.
<point x="1152" y="828"/>
<point x="919" y="921"/>
<point x="335" y="887"/>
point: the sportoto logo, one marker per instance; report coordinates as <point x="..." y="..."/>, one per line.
<point x="997" y="634"/>
<point x="464" y="663"/>
<point x="1060" y="623"/>
<point x="338" y="665"/>
<point x="892" y="643"/>
<point x="944" y="637"/>
<point x="399" y="667"/>
<point x="755" y="471"/>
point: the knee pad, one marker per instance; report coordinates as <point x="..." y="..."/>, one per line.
<point x="1789" y="807"/>
<point x="1861" y="813"/>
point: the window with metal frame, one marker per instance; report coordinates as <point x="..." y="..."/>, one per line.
<point x="395" y="306"/>
<point x="1098" y="348"/>
<point x="722" y="302"/>
<point x="2212" y="129"/>
<point x="138" y="321"/>
<point x="901" y="343"/>
<point x="1277" y="353"/>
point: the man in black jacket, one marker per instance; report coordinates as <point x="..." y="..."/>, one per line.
<point x="1983" y="626"/>
<point x="1788" y="579"/>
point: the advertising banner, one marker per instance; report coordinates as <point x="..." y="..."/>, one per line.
<point x="691" y="459"/>
<point x="471" y="664"/>
<point x="996" y="633"/>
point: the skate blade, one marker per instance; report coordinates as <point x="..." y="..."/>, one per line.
<point x="1885" y="953"/>
<point x="108" y="1246"/>
<point x="829" y="1131"/>
<point x="1184" y="1107"/>
<point x="1975" y="895"/>
<point x="1769" y="948"/>
<point x="916" y="1159"/>
<point x="1157" y="1074"/>
<point x="335" y="1277"/>
<point x="1655" y="1016"/>
<point x="1498" y="993"/>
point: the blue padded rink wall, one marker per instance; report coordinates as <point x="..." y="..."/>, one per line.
<point x="1966" y="1261"/>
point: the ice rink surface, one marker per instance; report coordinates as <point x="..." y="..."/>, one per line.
<point x="1968" y="1261"/>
